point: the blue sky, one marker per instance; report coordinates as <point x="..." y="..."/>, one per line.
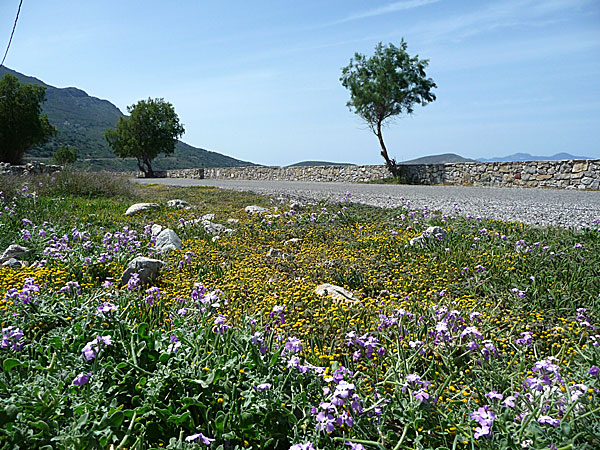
<point x="259" y="80"/>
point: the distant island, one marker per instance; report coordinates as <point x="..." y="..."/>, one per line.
<point x="528" y="157"/>
<point x="81" y="120"/>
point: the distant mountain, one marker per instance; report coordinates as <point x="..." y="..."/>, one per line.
<point x="319" y="163"/>
<point x="445" y="158"/>
<point x="81" y="121"/>
<point x="528" y="157"/>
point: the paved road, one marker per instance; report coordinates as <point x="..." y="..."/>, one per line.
<point x="534" y="206"/>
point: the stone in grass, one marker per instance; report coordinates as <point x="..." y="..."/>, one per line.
<point x="156" y="229"/>
<point x="232" y="220"/>
<point x="274" y="253"/>
<point x="253" y="209"/>
<point x="13" y="263"/>
<point x="146" y="268"/>
<point x="166" y="241"/>
<point x="176" y="203"/>
<point x="13" y="251"/>
<point x="133" y="209"/>
<point x="215" y="228"/>
<point x="291" y="241"/>
<point x="431" y="234"/>
<point x="335" y="292"/>
<point x="211" y="228"/>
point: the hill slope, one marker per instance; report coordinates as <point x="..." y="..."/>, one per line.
<point x="444" y="158"/>
<point x="81" y="120"/>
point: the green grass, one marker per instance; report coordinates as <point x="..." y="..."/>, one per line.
<point x="238" y="319"/>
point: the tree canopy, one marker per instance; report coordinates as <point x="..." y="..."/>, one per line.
<point x="385" y="85"/>
<point x="65" y="154"/>
<point x="22" y="124"/>
<point x="152" y="128"/>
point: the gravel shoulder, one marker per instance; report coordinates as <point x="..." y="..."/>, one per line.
<point x="543" y="207"/>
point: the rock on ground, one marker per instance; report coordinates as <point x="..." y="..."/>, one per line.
<point x="254" y="209"/>
<point x="166" y="241"/>
<point x="13" y="251"/>
<point x="431" y="234"/>
<point x="133" y="209"/>
<point x="147" y="269"/>
<point x="274" y="253"/>
<point x="176" y="203"/>
<point x="156" y="229"/>
<point x="335" y="292"/>
<point x="13" y="263"/>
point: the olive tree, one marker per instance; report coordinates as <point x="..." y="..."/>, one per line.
<point x="152" y="128"/>
<point x="22" y="124"/>
<point x="384" y="86"/>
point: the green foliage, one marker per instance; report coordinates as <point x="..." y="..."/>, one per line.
<point x="385" y="85"/>
<point x="181" y="360"/>
<point x="22" y="125"/>
<point x="65" y="154"/>
<point x="152" y="128"/>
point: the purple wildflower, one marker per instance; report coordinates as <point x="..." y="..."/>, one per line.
<point x="71" y="287"/>
<point x="106" y="307"/>
<point x="134" y="282"/>
<point x="549" y="420"/>
<point x="493" y="395"/>
<point x="305" y="446"/>
<point x="421" y="395"/>
<point x="82" y="379"/>
<point x="199" y="436"/>
<point x="293" y="345"/>
<point x="594" y="371"/>
<point x="174" y="345"/>
<point x="263" y="387"/>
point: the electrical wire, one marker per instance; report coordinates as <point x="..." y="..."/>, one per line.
<point x="11" y="34"/>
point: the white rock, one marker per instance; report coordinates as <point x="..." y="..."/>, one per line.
<point x="156" y="229"/>
<point x="146" y="268"/>
<point x="189" y="223"/>
<point x="13" y="251"/>
<point x="177" y="203"/>
<point x="253" y="209"/>
<point x="140" y="207"/>
<point x="231" y="220"/>
<point x="431" y="234"/>
<point x="291" y="241"/>
<point x="208" y="217"/>
<point x="335" y="292"/>
<point x="274" y="253"/>
<point x="167" y="240"/>
<point x="12" y="263"/>
<point x="215" y="228"/>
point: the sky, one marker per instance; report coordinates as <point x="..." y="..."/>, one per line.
<point x="259" y="80"/>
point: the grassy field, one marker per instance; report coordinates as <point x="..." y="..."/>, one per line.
<point x="487" y="338"/>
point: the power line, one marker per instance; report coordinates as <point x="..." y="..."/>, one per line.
<point x="11" y="34"/>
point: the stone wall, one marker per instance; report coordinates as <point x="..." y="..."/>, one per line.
<point x="572" y="174"/>
<point x="30" y="168"/>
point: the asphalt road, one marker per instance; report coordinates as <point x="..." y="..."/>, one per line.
<point x="544" y="207"/>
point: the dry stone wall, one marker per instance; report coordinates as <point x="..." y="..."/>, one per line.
<point x="30" y="168"/>
<point x="572" y="174"/>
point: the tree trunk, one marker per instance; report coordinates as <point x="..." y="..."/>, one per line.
<point x="150" y="172"/>
<point x="391" y="164"/>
